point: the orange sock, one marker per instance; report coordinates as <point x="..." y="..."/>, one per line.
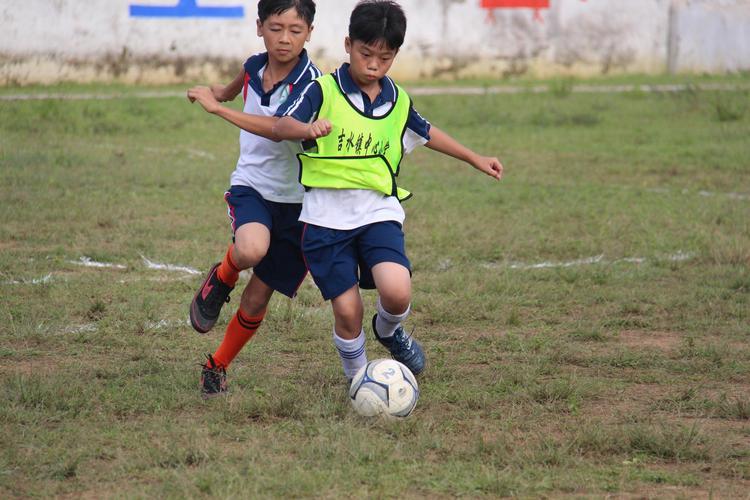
<point x="228" y="271"/>
<point x="239" y="331"/>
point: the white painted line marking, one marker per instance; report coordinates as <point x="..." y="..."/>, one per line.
<point x="598" y="259"/>
<point x="155" y="279"/>
<point x="36" y="281"/>
<point x="576" y="89"/>
<point x="191" y="152"/>
<point x="546" y="265"/>
<point x="420" y="91"/>
<point x="165" y="324"/>
<point x="168" y="267"/>
<point x="703" y="193"/>
<point x="87" y="262"/>
<point x="87" y="328"/>
<point x="732" y="196"/>
<point x="158" y="94"/>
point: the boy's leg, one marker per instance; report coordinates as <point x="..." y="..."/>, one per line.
<point x="249" y="248"/>
<point x="386" y="267"/>
<point x="251" y="222"/>
<point x="245" y="321"/>
<point x="251" y="242"/>
<point x="240" y="330"/>
<point x="281" y="269"/>
<point x="348" y="335"/>
<point x="393" y="283"/>
<point x="331" y="257"/>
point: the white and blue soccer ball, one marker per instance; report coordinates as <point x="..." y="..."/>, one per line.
<point x="384" y="387"/>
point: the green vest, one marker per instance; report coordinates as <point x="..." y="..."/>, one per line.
<point x="361" y="152"/>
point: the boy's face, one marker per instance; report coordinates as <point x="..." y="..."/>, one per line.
<point x="369" y="63"/>
<point x="284" y="35"/>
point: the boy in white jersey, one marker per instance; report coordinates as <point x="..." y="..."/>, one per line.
<point x="265" y="195"/>
<point x="364" y="123"/>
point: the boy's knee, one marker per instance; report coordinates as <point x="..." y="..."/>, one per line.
<point x="248" y="253"/>
<point x="396" y="301"/>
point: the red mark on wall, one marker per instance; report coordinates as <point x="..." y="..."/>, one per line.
<point x="537" y="5"/>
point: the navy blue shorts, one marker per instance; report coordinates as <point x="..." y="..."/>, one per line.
<point x="339" y="259"/>
<point x="283" y="268"/>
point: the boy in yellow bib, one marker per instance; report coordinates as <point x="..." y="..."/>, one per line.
<point x="363" y="124"/>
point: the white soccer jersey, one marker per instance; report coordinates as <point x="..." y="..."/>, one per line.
<point x="269" y="167"/>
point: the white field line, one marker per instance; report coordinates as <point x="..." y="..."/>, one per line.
<point x="155" y="279"/>
<point x="705" y="194"/>
<point x="191" y="152"/>
<point x="157" y="94"/>
<point x="87" y="328"/>
<point x="148" y="325"/>
<point x="545" y="265"/>
<point x="199" y="153"/>
<point x="168" y="267"/>
<point x="597" y="259"/>
<point x="87" y="262"/>
<point x="166" y="324"/>
<point x="731" y="196"/>
<point x="418" y="91"/>
<point x="35" y="281"/>
<point x="576" y="89"/>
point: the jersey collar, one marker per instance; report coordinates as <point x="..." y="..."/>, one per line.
<point x="387" y="87"/>
<point x="255" y="64"/>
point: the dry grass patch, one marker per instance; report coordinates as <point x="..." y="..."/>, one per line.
<point x="664" y="341"/>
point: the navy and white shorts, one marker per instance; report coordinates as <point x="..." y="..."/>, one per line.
<point x="283" y="268"/>
<point x="339" y="259"/>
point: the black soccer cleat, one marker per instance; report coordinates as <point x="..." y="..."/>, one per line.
<point x="403" y="348"/>
<point x="207" y="303"/>
<point x="213" y="379"/>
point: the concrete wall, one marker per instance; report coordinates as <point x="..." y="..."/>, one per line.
<point x="47" y="41"/>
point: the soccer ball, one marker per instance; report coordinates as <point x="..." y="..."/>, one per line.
<point x="384" y="387"/>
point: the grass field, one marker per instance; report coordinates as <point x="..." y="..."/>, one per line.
<point x="586" y="321"/>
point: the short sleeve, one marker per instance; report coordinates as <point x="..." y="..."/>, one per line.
<point x="303" y="105"/>
<point x="417" y="131"/>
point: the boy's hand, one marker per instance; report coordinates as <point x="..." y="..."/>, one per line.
<point x="490" y="166"/>
<point x="205" y="98"/>
<point x="319" y="128"/>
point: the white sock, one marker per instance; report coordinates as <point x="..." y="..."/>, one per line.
<point x="352" y="353"/>
<point x="387" y="323"/>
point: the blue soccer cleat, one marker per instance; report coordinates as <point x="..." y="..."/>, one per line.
<point x="403" y="348"/>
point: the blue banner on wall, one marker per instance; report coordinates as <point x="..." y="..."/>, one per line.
<point x="186" y="8"/>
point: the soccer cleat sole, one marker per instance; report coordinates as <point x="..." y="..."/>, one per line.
<point x="199" y="327"/>
<point x="201" y="324"/>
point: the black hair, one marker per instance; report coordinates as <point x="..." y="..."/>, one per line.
<point x="378" y="21"/>
<point x="305" y="9"/>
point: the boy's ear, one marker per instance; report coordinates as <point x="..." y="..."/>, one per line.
<point x="260" y="27"/>
<point x="348" y="45"/>
<point x="309" y="33"/>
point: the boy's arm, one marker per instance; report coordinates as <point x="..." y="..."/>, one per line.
<point x="258" y="125"/>
<point x="443" y="143"/>
<point x="291" y="129"/>
<point x="224" y="93"/>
